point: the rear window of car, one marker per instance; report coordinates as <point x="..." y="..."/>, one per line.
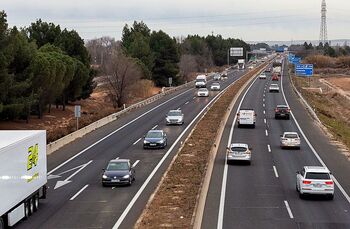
<point x="317" y="176"/>
<point x="291" y="136"/>
<point x="239" y="149"/>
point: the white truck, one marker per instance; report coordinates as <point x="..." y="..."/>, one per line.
<point x="246" y="117"/>
<point x="201" y="81"/>
<point x="241" y="64"/>
<point x="23" y="174"/>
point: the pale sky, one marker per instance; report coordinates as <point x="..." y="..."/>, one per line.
<point x="251" y="20"/>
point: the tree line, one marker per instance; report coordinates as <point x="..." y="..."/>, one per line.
<point x="40" y="66"/>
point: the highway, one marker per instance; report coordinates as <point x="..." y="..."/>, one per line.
<point x="263" y="195"/>
<point x="76" y="198"/>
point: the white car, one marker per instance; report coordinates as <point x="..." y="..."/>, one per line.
<point x="239" y="152"/>
<point x="290" y="140"/>
<point x="203" y="92"/>
<point x="262" y="76"/>
<point x="175" y="117"/>
<point x="217" y="77"/>
<point x="274" y="88"/>
<point x="315" y="180"/>
<point x="215" y="87"/>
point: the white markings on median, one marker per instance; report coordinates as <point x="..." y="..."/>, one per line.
<point x="137" y="141"/>
<point x="135" y="163"/>
<point x="275" y="170"/>
<point x="80" y="191"/>
<point x="187" y="102"/>
<point x="266" y="133"/>
<point x="154" y="127"/>
<point x="269" y="148"/>
<point x="289" y="210"/>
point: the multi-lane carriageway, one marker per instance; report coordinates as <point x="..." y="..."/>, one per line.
<point x="263" y="195"/>
<point x="76" y="198"/>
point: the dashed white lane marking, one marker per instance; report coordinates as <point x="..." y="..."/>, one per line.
<point x="275" y="170"/>
<point x="266" y="133"/>
<point x="265" y="120"/>
<point x="136" y="162"/>
<point x="155" y="127"/>
<point x="80" y="191"/>
<point x="264" y="94"/>
<point x="263" y="104"/>
<point x="269" y="148"/>
<point x="194" y="97"/>
<point x="137" y="141"/>
<point x="187" y="102"/>
<point x="289" y="210"/>
<point x="264" y="112"/>
<point x="116" y="158"/>
<point x="263" y="100"/>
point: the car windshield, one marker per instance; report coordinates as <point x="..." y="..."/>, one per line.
<point x="215" y="84"/>
<point x="291" y="136"/>
<point x="317" y="176"/>
<point x="154" y="135"/>
<point x="113" y="166"/>
<point x="174" y="113"/>
<point x="239" y="149"/>
<point x="274" y="85"/>
<point x="200" y="80"/>
<point x="203" y="90"/>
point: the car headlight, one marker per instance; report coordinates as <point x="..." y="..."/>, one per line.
<point x="104" y="176"/>
<point x="167" y="119"/>
<point x="161" y="141"/>
<point x="126" y="176"/>
<point x="145" y="142"/>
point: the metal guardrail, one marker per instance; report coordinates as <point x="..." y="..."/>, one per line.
<point x="53" y="146"/>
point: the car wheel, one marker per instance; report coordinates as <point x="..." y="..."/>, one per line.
<point x="31" y="206"/>
<point x="331" y="197"/>
<point x="249" y="162"/>
<point x="2" y="223"/>
<point x="36" y="202"/>
<point x="301" y="195"/>
<point x="103" y="185"/>
<point x="130" y="181"/>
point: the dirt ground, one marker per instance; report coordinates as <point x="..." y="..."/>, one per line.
<point x="341" y="82"/>
<point x="173" y="204"/>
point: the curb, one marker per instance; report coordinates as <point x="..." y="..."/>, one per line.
<point x="201" y="200"/>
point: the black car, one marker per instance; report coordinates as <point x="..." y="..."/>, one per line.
<point x="282" y="111"/>
<point x="155" y="139"/>
<point x="118" y="172"/>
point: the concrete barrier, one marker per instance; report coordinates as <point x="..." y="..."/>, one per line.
<point x="53" y="146"/>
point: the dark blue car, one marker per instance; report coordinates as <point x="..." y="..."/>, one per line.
<point x="155" y="139"/>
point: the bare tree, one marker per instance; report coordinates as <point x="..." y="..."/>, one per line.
<point x="188" y="65"/>
<point x="122" y="72"/>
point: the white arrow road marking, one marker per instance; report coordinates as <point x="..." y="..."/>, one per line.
<point x="51" y="176"/>
<point x="67" y="180"/>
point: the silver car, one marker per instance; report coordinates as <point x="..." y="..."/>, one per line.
<point x="290" y="140"/>
<point x="239" y="152"/>
<point x="175" y="117"/>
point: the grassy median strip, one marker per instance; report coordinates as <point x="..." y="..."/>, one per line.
<point x="173" y="203"/>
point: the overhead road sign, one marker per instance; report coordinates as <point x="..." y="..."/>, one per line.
<point x="236" y="51"/>
<point x="304" y="70"/>
<point x="295" y="60"/>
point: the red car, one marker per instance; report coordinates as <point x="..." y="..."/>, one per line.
<point x="274" y="77"/>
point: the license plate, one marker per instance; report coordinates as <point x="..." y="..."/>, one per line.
<point x="152" y="144"/>
<point x="115" y="180"/>
<point x="317" y="185"/>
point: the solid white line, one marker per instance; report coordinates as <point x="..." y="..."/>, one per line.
<point x="224" y="176"/>
<point x="137" y="141"/>
<point x="269" y="148"/>
<point x="265" y="120"/>
<point x="266" y="133"/>
<point x="187" y="102"/>
<point x="136" y="162"/>
<point x="308" y="142"/>
<point x="117" y="130"/>
<point x="289" y="210"/>
<point x="154" y="127"/>
<point x="275" y="170"/>
<point x="80" y="191"/>
<point x="154" y="171"/>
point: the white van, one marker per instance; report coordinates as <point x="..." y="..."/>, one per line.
<point x="246" y="117"/>
<point x="201" y="81"/>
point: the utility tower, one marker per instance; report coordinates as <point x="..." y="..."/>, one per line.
<point x="323" y="29"/>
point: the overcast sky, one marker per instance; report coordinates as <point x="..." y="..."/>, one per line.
<point x="251" y="20"/>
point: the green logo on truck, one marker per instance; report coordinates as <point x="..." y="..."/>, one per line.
<point x="33" y="156"/>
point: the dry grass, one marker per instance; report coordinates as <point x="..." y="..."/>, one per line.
<point x="174" y="202"/>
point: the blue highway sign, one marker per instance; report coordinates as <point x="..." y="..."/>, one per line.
<point x="304" y="69"/>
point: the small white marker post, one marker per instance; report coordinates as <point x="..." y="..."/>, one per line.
<point x="77" y="114"/>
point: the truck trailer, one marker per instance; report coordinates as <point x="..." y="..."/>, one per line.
<point x="23" y="174"/>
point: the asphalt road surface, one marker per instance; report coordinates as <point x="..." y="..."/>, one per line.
<point x="263" y="195"/>
<point x="76" y="198"/>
